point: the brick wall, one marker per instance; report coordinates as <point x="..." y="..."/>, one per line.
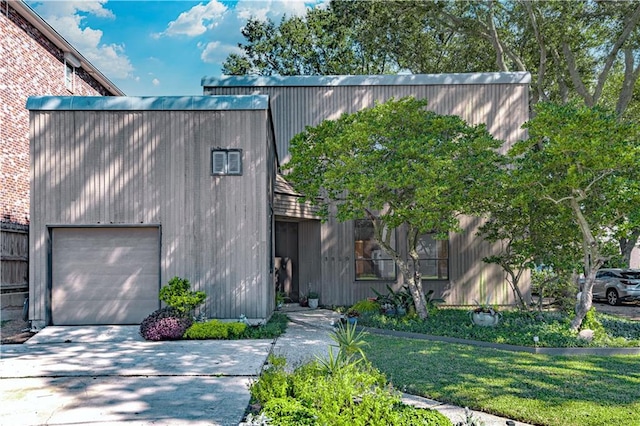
<point x="30" y="65"/>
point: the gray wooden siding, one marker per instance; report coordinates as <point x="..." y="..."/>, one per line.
<point x="504" y="107"/>
<point x="153" y="167"/>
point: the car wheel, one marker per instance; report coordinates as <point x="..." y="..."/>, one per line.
<point x="612" y="297"/>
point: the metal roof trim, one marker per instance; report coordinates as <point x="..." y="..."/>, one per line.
<point x="148" y="103"/>
<point x="369" y="80"/>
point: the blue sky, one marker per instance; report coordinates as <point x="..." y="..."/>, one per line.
<point x="153" y="48"/>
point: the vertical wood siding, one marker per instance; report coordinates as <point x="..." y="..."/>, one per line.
<point x="153" y="168"/>
<point x="502" y="107"/>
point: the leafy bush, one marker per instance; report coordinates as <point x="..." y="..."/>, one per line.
<point x="366" y="306"/>
<point x="273" y="382"/>
<point x="215" y="329"/>
<point x="178" y="295"/>
<point x="547" y="283"/>
<point x="354" y="393"/>
<point x="164" y="324"/>
<point x="289" y="412"/>
<point x="591" y="322"/>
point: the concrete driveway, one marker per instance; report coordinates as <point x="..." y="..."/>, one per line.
<point x="109" y="375"/>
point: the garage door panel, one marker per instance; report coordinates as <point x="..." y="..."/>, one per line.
<point x="88" y="312"/>
<point x="104" y="275"/>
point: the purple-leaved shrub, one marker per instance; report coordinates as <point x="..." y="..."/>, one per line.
<point x="164" y="324"/>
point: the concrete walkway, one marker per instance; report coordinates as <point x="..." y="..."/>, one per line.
<point x="111" y="376"/>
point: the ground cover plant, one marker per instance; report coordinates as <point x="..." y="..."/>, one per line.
<point x="533" y="388"/>
<point x="216" y="329"/>
<point x="342" y="389"/>
<point x="516" y="328"/>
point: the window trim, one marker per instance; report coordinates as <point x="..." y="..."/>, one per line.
<point x="226" y="154"/>
<point x="437" y="260"/>
<point x="69" y="76"/>
<point x="356" y="259"/>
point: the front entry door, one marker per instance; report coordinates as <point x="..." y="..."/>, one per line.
<point x="287" y="248"/>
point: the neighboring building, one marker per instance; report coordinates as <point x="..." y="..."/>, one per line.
<point x="341" y="260"/>
<point x="34" y="60"/>
<point x="129" y="192"/>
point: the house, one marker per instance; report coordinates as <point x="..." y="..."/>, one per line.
<point x="34" y="60"/>
<point x="340" y="260"/>
<point x="129" y="192"/>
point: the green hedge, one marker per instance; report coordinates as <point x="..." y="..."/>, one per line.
<point x="215" y="329"/>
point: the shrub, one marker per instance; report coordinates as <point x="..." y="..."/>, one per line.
<point x="273" y="382"/>
<point x="591" y="322"/>
<point x="178" y="295"/>
<point x="215" y="329"/>
<point x="366" y="306"/>
<point x="353" y="393"/>
<point x="411" y="416"/>
<point x="289" y="412"/>
<point x="164" y="324"/>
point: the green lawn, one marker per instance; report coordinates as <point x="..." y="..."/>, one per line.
<point x="538" y="389"/>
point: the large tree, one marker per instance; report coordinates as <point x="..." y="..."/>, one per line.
<point x="401" y="166"/>
<point x="583" y="162"/>
<point x="584" y="50"/>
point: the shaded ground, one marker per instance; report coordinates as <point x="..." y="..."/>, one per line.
<point x="14" y="330"/>
<point x="630" y="310"/>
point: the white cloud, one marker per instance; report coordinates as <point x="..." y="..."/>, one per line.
<point x="66" y="19"/>
<point x="197" y="20"/>
<point x="273" y="9"/>
<point x="62" y="8"/>
<point x="216" y="52"/>
<point x="155" y="82"/>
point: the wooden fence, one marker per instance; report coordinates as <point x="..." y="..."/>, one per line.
<point x="14" y="257"/>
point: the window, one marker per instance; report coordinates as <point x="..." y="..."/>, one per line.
<point x="226" y="161"/>
<point x="372" y="262"/>
<point x="434" y="257"/>
<point x="69" y="72"/>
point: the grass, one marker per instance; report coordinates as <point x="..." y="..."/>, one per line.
<point x="515" y="328"/>
<point x="537" y="389"/>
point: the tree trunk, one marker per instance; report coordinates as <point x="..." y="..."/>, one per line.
<point x="592" y="263"/>
<point x="415" y="287"/>
<point x="627" y="245"/>
<point x="415" y="282"/>
<point x="584" y="304"/>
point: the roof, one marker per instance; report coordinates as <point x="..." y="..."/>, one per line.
<point x="282" y="186"/>
<point x="148" y="103"/>
<point x="34" y="19"/>
<point x="370" y="80"/>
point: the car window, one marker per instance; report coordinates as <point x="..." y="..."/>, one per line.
<point x="632" y="275"/>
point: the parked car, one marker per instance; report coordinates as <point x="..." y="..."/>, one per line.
<point x="615" y="285"/>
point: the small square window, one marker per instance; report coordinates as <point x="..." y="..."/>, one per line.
<point x="226" y="162"/>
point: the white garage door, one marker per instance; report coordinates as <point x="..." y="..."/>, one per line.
<point x="104" y="275"/>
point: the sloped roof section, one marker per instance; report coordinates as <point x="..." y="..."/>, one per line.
<point x="286" y="202"/>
